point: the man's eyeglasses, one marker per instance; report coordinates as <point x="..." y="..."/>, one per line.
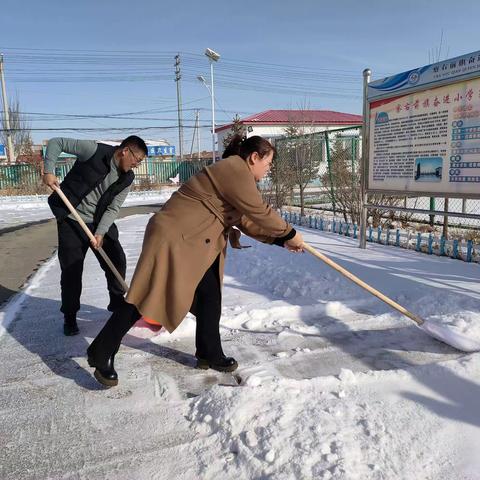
<point x="139" y="160"/>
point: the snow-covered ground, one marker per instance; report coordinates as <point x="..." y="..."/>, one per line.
<point x="333" y="384"/>
<point x="146" y="197"/>
<point x="17" y="210"/>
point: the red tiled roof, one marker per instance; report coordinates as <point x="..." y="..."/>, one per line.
<point x="284" y="117"/>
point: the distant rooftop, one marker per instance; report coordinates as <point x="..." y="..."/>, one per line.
<point x="284" y="117"/>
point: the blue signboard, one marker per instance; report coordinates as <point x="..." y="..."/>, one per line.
<point x="441" y="73"/>
<point x="425" y="131"/>
<point x="2" y="151"/>
<point x="161" y="150"/>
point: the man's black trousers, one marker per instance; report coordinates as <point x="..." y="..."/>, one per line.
<point x="73" y="244"/>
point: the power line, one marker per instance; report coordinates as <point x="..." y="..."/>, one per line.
<point x="57" y="66"/>
<point x="94" y="129"/>
<point x="142" y="66"/>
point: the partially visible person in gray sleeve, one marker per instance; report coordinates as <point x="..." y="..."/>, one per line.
<point x="97" y="185"/>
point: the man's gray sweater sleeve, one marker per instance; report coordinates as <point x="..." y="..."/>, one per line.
<point x="82" y="149"/>
<point x="111" y="212"/>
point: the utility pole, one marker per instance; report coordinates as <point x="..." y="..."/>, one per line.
<point x="193" y="138"/>
<point x="197" y="133"/>
<point x="178" y="76"/>
<point x="10" y="152"/>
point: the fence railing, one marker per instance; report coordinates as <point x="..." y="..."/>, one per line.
<point x="468" y="250"/>
<point x="16" y="176"/>
<point x="26" y="177"/>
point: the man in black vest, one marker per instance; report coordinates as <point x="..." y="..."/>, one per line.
<point x="97" y="185"/>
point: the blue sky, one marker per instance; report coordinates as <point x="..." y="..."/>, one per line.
<point x="326" y="44"/>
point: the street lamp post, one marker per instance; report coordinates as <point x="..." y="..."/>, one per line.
<point x="212" y="57"/>
<point x="201" y="78"/>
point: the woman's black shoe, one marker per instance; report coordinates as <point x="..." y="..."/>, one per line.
<point x="105" y="374"/>
<point x="225" y="364"/>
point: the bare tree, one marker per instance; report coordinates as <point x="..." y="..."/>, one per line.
<point x="237" y="128"/>
<point x="279" y="184"/>
<point x="303" y="151"/>
<point x="20" y="130"/>
<point x="342" y="180"/>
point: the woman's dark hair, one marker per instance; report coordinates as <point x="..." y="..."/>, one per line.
<point x="246" y="146"/>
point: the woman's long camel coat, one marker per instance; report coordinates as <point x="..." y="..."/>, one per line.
<point x="185" y="237"/>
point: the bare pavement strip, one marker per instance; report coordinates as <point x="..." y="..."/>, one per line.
<point x="23" y="248"/>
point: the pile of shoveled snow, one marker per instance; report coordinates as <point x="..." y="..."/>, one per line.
<point x="374" y="425"/>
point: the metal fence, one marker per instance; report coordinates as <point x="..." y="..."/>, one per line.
<point x="321" y="171"/>
<point x="317" y="170"/>
<point x="27" y="178"/>
<point x="18" y="176"/>
<point x="464" y="249"/>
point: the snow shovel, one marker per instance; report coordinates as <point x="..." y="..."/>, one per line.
<point x="447" y="334"/>
<point x="100" y="250"/>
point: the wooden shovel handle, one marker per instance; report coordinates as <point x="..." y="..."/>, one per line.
<point x="90" y="235"/>
<point x="362" y="284"/>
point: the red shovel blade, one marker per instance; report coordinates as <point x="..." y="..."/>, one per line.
<point x="146" y="322"/>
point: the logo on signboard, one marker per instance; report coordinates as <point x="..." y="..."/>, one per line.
<point x="381" y="117"/>
<point x="414" y="77"/>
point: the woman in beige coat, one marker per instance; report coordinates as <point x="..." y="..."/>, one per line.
<point x="180" y="268"/>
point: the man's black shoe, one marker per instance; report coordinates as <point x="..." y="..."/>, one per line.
<point x="70" y="326"/>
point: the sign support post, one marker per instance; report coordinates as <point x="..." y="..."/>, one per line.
<point x="364" y="160"/>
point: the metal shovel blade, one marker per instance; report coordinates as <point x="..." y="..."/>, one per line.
<point x="451" y="336"/>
